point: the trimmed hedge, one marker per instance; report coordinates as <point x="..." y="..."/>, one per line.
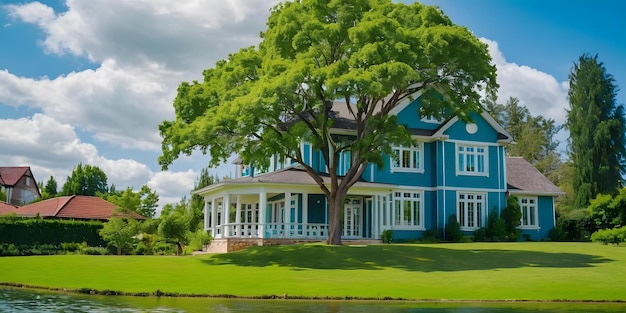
<point x="33" y="231"/>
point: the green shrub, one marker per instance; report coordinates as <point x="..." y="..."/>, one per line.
<point x="387" y="236"/>
<point x="614" y="236"/>
<point x="198" y="240"/>
<point x="453" y="230"/>
<point x="95" y="251"/>
<point x="431" y="236"/>
<point x="480" y="234"/>
<point x="70" y="246"/>
<point x="31" y="231"/>
<point x="574" y="225"/>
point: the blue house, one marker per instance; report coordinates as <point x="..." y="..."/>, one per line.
<point x="455" y="168"/>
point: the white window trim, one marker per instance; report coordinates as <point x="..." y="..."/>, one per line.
<point x="467" y="173"/>
<point x="536" y="213"/>
<point x="419" y="147"/>
<point x="483" y="215"/>
<point x="392" y="208"/>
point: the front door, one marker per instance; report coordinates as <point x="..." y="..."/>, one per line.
<point x="353" y="218"/>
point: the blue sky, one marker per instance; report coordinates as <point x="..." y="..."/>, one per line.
<point x="90" y="80"/>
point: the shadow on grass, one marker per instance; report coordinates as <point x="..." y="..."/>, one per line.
<point x="406" y="257"/>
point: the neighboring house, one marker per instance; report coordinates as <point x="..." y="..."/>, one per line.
<point x="7" y="208"/>
<point x="19" y="185"/>
<point x="456" y="168"/>
<point x="76" y="207"/>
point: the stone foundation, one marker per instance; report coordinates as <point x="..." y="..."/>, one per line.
<point x="233" y="244"/>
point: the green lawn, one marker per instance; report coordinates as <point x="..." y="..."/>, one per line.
<point x="477" y="271"/>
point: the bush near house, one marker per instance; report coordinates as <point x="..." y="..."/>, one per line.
<point x="614" y="236"/>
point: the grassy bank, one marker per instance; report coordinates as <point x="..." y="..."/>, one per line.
<point x="476" y="271"/>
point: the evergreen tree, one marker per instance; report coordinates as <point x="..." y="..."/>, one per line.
<point x="596" y="126"/>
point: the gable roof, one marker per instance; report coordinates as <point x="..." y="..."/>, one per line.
<point x="76" y="207"/>
<point x="345" y="121"/>
<point x="524" y="178"/>
<point x="6" y="208"/>
<point x="10" y="175"/>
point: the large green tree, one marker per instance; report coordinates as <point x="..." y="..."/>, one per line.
<point x="596" y="126"/>
<point x="370" y="54"/>
<point x="143" y="201"/>
<point x="534" y="135"/>
<point x="85" y="180"/>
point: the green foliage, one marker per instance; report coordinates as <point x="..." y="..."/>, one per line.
<point x="30" y="231"/>
<point x="174" y="227"/>
<point x="387" y="236"/>
<point x="453" y="230"/>
<point x="534" y="135"/>
<point x="50" y="189"/>
<point x="597" y="131"/>
<point x="85" y="180"/>
<point x="265" y="101"/>
<point x="614" y="236"/>
<point x="143" y="202"/>
<point x="496" y="228"/>
<point x="197" y="241"/>
<point x="607" y="212"/>
<point x="120" y="233"/>
<point x="512" y="217"/>
<point x="574" y="225"/>
<point x="3" y="196"/>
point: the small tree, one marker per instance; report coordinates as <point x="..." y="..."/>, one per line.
<point x="174" y="227"/>
<point x="512" y="216"/>
<point x="120" y="233"/>
<point x="453" y="229"/>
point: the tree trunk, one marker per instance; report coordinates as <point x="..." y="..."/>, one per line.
<point x="334" y="219"/>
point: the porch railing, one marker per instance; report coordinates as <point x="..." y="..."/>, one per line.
<point x="271" y="230"/>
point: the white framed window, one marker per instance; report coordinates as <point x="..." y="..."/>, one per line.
<point x="345" y="161"/>
<point x="472" y="160"/>
<point x="407" y="210"/>
<point x="528" y="206"/>
<point x="470" y="210"/>
<point x="410" y="159"/>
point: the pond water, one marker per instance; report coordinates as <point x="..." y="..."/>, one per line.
<point x="27" y="300"/>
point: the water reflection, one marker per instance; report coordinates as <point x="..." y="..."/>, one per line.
<point x="25" y="300"/>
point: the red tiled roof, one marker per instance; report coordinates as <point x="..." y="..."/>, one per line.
<point x="76" y="207"/>
<point x="6" y="208"/>
<point x="524" y="178"/>
<point x="10" y="175"/>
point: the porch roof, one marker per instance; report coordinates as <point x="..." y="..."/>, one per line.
<point x="286" y="176"/>
<point x="525" y="179"/>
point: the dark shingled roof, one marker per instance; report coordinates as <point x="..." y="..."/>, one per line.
<point x="523" y="178"/>
<point x="76" y="207"/>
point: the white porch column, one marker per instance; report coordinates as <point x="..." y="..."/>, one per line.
<point x="225" y="215"/>
<point x="213" y="217"/>
<point x="238" y="217"/>
<point x="287" y="221"/>
<point x="376" y="217"/>
<point x="262" y="213"/>
<point x="207" y="215"/>
<point x="305" y="212"/>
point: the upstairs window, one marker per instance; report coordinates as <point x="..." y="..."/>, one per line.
<point x="409" y="159"/>
<point x="472" y="160"/>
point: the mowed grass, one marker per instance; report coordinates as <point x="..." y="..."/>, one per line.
<point x="471" y="271"/>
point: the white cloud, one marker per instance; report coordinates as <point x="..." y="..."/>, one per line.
<point x="540" y="92"/>
<point x="171" y="186"/>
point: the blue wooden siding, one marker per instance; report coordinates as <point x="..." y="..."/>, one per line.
<point x="546" y="217"/>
